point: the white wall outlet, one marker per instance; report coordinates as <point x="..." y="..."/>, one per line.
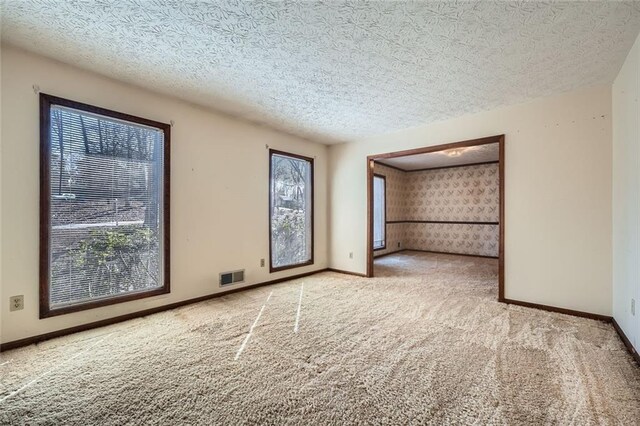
<point x="262" y="263"/>
<point x="350" y="255"/>
<point x="633" y="307"/>
<point x="16" y="303"/>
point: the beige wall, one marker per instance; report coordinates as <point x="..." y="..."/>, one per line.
<point x="626" y="195"/>
<point x="558" y="192"/>
<point x="3" y="301"/>
<point x="219" y="190"/>
<point x="558" y="187"/>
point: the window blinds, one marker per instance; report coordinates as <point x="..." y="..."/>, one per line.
<point x="106" y="190"/>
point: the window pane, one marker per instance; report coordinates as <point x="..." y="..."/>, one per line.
<point x="105" y="204"/>
<point x="291" y="209"/>
<point x="379" y="212"/>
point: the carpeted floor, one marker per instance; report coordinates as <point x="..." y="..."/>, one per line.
<point x="423" y="343"/>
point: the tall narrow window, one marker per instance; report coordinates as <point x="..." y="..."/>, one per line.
<point x="379" y="213"/>
<point x="104" y="197"/>
<point x="290" y="210"/>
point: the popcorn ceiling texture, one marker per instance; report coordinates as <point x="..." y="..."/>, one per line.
<point x="462" y="194"/>
<point x="340" y="70"/>
<point x="424" y="342"/>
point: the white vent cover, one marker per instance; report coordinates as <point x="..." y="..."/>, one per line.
<point x="228" y="278"/>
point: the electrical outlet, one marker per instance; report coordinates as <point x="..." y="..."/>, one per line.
<point x="633" y="307"/>
<point x="398" y="244"/>
<point x="262" y="263"/>
<point x="16" y="303"/>
<point x="350" y="255"/>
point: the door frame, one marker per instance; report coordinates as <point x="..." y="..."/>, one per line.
<point x="499" y="139"/>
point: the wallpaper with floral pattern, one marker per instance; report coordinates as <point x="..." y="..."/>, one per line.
<point x="452" y="238"/>
<point x="467" y="194"/>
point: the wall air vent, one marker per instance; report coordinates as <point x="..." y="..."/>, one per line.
<point x="228" y="278"/>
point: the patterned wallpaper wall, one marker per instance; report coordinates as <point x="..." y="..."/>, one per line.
<point x="465" y="194"/>
<point x="469" y="194"/>
<point x="480" y="240"/>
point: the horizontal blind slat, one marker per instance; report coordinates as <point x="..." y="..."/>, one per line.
<point x="105" y="203"/>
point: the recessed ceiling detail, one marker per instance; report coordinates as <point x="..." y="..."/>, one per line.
<point x="335" y="71"/>
<point x="452" y="157"/>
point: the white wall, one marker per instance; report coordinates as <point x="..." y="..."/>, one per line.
<point x="558" y="192"/>
<point x="219" y="190"/>
<point x="2" y="299"/>
<point x="626" y="195"/>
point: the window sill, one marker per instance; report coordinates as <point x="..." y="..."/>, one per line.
<point x="45" y="312"/>
<point x="284" y="268"/>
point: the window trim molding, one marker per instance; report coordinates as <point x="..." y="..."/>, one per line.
<point x="384" y="179"/>
<point x="313" y="203"/>
<point x="46" y="101"/>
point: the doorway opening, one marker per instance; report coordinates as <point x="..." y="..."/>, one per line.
<point x="443" y="199"/>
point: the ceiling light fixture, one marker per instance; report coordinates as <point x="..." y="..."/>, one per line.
<point x="455" y="152"/>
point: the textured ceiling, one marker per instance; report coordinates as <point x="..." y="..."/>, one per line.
<point x="470" y="155"/>
<point x="335" y="71"/>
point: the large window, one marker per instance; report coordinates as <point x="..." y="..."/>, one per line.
<point x="379" y="212"/>
<point x="290" y="210"/>
<point x="104" y="216"/>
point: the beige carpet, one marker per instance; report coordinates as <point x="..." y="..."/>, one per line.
<point x="424" y="343"/>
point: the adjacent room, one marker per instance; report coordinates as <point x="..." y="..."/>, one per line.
<point x="255" y="212"/>
<point x="440" y="201"/>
